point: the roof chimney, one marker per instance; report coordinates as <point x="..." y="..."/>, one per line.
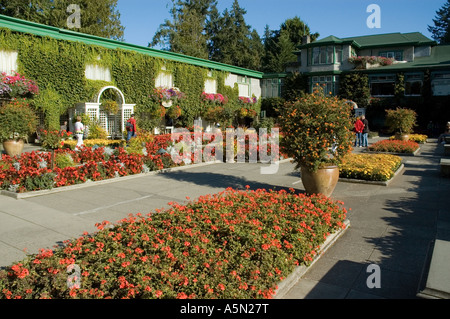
<point x="306" y="39"/>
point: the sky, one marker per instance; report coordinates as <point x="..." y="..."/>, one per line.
<point x="341" y="18"/>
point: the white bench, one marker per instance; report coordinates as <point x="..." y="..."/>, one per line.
<point x="436" y="277"/>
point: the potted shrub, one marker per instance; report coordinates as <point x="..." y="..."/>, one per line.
<point x="401" y="121"/>
<point x="17" y="121"/>
<point x="317" y="133"/>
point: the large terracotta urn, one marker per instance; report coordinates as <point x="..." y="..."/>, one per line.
<point x="402" y="137"/>
<point x="13" y="147"/>
<point x="323" y="181"/>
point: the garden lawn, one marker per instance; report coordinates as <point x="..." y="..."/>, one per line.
<point x="235" y="244"/>
<point x="370" y="167"/>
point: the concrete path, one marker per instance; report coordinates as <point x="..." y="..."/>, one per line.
<point x="391" y="227"/>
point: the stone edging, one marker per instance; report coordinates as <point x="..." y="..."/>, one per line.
<point x="415" y="153"/>
<point x="286" y="285"/>
<point x="107" y="181"/>
<point x="399" y="171"/>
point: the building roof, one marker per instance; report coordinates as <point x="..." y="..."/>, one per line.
<point x="19" y="25"/>
<point x="378" y="40"/>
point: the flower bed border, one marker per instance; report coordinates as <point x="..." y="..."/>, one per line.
<point x="399" y="171"/>
<point x="94" y="183"/>
<point x="285" y="286"/>
<point x="109" y="180"/>
<point x="415" y="153"/>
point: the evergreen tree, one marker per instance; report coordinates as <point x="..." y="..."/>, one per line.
<point x="187" y="32"/>
<point x="441" y="29"/>
<point x="234" y="41"/>
<point x="280" y="44"/>
<point x="100" y="17"/>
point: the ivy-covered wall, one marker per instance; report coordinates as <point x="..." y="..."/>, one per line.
<point x="58" y="67"/>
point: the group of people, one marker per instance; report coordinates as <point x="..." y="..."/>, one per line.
<point x="362" y="132"/>
<point x="80" y="129"/>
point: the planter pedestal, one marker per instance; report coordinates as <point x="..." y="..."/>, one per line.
<point x="13" y="147"/>
<point x="323" y="181"/>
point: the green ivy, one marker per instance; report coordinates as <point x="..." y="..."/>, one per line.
<point x="58" y="67"/>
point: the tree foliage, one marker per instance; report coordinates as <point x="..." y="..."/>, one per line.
<point x="186" y="32"/>
<point x="440" y="30"/>
<point x="100" y="17"/>
<point x="280" y="44"/>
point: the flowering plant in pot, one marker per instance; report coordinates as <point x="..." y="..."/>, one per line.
<point x="316" y="133"/>
<point x="401" y="121"/>
<point x="17" y="121"/>
<point x="167" y="96"/>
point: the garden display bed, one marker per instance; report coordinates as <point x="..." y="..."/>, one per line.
<point x="375" y="169"/>
<point x="395" y="147"/>
<point x="243" y="244"/>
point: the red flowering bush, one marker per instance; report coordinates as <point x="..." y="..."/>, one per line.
<point x="394" y="146"/>
<point x="235" y="244"/>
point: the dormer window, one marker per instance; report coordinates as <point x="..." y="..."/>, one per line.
<point x="397" y="55"/>
<point x="325" y="55"/>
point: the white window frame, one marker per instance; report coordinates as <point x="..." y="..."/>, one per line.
<point x="97" y="72"/>
<point x="164" y="79"/>
<point x="8" y="61"/>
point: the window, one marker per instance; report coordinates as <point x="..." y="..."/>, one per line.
<point x="339" y="52"/>
<point x="210" y="86"/>
<point x="96" y="72"/>
<point x="8" y="61"/>
<point x="382" y="85"/>
<point x="164" y="79"/>
<point x="397" y="55"/>
<point x="413" y="84"/>
<point x="270" y="87"/>
<point x="440" y="84"/>
<point x="329" y="83"/>
<point x="325" y="55"/>
<point x="243" y="85"/>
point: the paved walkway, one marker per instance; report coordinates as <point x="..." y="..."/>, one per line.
<point x="391" y="227"/>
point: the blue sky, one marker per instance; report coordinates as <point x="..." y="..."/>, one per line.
<point x="341" y="18"/>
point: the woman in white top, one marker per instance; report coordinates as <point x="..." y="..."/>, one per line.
<point x="79" y="128"/>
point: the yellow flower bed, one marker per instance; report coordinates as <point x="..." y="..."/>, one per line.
<point x="90" y="143"/>
<point x="418" y="138"/>
<point x="370" y="167"/>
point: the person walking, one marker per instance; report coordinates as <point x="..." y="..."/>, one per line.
<point x="79" y="131"/>
<point x="365" y="132"/>
<point x="131" y="128"/>
<point x="359" y="127"/>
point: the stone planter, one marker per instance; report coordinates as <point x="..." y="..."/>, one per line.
<point x="402" y="137"/>
<point x="323" y="181"/>
<point x="13" y="147"/>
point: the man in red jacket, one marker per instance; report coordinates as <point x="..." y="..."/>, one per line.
<point x="131" y="128"/>
<point x="359" y="127"/>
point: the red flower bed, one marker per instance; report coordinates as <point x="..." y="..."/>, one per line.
<point x="235" y="244"/>
<point x="394" y="146"/>
<point x="31" y="171"/>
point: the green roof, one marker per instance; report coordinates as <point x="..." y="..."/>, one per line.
<point x="24" y="26"/>
<point x="379" y="40"/>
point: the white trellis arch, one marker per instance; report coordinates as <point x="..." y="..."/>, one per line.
<point x="114" y="124"/>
